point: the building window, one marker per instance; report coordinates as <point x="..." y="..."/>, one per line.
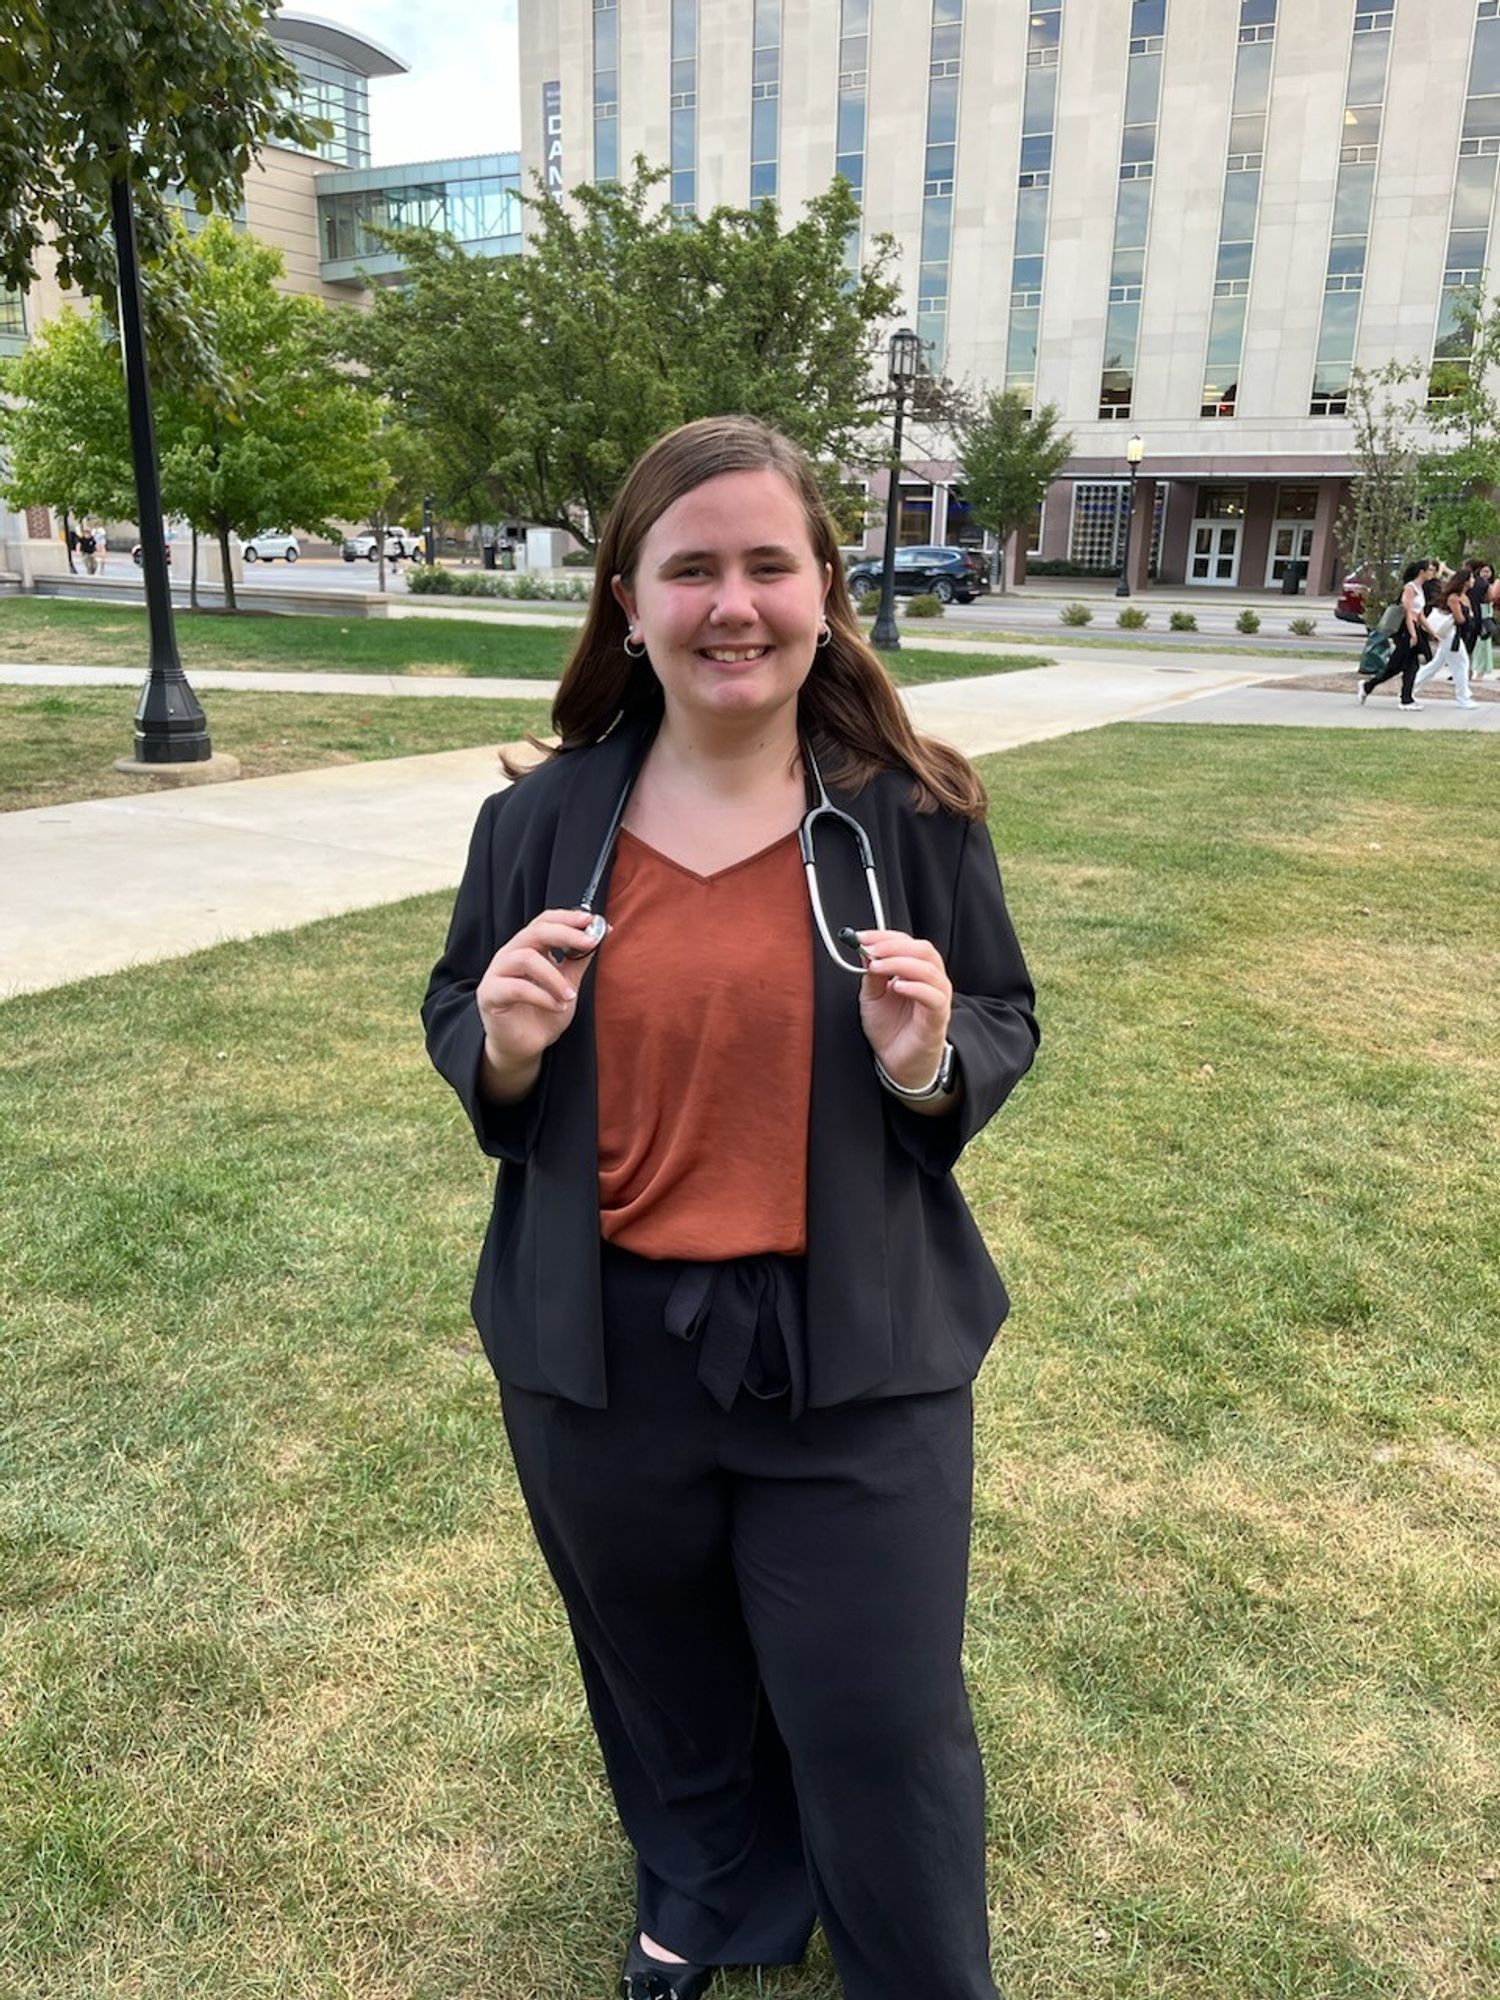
<point x="914" y="521"/>
<point x="765" y="101"/>
<point x="1353" y="200"/>
<point x="483" y="211"/>
<point x="12" y="314"/>
<point x="1148" y="27"/>
<point x="684" y="81"/>
<point x="606" y="90"/>
<point x="1038" y="130"/>
<point x="853" y="91"/>
<point x="331" y="91"/>
<point x="940" y="167"/>
<point x="1241" y="207"/>
<point x="1473" y="196"/>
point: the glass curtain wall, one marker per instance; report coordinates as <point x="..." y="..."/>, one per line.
<point x="1127" y="275"/>
<point x="853" y="91"/>
<point x="945" y="58"/>
<point x="1241" y="210"/>
<point x="327" y="90"/>
<point x="481" y="210"/>
<point x="765" y="101"/>
<point x="1034" y="195"/>
<point x="1473" y="199"/>
<point x="684" y="106"/>
<point x="1354" y="197"/>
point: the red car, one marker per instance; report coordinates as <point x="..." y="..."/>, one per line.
<point x="1351" y="603"/>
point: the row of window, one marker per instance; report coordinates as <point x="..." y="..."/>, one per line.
<point x="1033" y="194"/>
<point x="472" y="211"/>
<point x="1241" y="208"/>
<point x="1473" y="198"/>
<point x="341" y="96"/>
<point x="940" y="167"/>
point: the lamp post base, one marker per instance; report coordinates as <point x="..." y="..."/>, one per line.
<point x="884" y="636"/>
<point x="217" y="769"/>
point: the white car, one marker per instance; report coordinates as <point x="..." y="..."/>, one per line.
<point x="269" y="544"/>
<point x="398" y="544"/>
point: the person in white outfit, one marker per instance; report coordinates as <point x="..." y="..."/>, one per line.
<point x="1452" y="655"/>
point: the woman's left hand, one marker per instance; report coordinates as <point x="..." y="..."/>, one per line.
<point x="905" y="1004"/>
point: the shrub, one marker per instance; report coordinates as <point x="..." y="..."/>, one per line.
<point x="1248" y="621"/>
<point x="1132" y="619"/>
<point x="486" y="583"/>
<point x="1183" y="621"/>
<point x="1303" y="627"/>
<point x="1077" y="614"/>
<point x="925" y="606"/>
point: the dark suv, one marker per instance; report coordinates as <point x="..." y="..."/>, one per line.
<point x="949" y="574"/>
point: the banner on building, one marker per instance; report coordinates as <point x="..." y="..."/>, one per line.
<point x="552" y="147"/>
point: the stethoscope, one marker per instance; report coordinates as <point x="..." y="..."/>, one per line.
<point x="820" y="807"/>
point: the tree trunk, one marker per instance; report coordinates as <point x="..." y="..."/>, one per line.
<point x="193" y="604"/>
<point x="230" y="603"/>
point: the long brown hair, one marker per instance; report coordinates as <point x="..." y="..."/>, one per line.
<point x="847" y="704"/>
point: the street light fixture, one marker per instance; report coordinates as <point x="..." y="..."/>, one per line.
<point x="905" y="360"/>
<point x="170" y="726"/>
<point x="1135" y="451"/>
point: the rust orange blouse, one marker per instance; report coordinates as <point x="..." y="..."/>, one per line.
<point x="703" y="1022"/>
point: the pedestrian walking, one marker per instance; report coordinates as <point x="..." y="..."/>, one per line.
<point x="729" y="986"/>
<point x="1414" y="638"/>
<point x="101" y="546"/>
<point x="1455" y="631"/>
<point x="1483" y="595"/>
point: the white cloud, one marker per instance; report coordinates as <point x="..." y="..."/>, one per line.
<point x="462" y="94"/>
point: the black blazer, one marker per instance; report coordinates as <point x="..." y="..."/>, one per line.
<point x="902" y="1297"/>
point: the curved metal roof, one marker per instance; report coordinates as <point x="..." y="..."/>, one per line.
<point x="357" y="52"/>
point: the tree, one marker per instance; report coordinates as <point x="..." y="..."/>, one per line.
<point x="63" y="423"/>
<point x="537" y="380"/>
<point x="1008" y="456"/>
<point x="1460" y="476"/>
<point x="1383" y="519"/>
<point x="169" y="93"/>
<point x="275" y="435"/>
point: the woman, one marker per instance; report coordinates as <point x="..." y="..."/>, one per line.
<point x="1482" y="596"/>
<point x="1413" y="640"/>
<point x="731" y="1292"/>
<point x="1456" y="635"/>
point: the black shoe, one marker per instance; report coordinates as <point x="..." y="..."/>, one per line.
<point x="652" y="1979"/>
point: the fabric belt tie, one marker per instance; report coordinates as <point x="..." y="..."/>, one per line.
<point x="749" y="1318"/>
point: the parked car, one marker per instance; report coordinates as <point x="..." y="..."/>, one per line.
<point x="1351" y="601"/>
<point x="270" y="544"/>
<point x="949" y="574"/>
<point x="398" y="545"/>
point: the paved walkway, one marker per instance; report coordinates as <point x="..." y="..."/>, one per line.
<point x="93" y="887"/>
<point x="267" y="682"/>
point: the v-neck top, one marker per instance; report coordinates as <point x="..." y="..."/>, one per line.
<point x="703" y="1026"/>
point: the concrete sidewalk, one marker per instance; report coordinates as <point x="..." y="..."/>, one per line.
<point x="1304" y="708"/>
<point x="267" y="681"/>
<point x="91" y="888"/>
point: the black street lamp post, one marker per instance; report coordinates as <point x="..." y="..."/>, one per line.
<point x="905" y="358"/>
<point x="170" y="726"/>
<point x="1135" y="451"/>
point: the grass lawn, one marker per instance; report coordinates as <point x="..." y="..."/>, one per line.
<point x="59" y="632"/>
<point x="58" y="744"/>
<point x="288" y="1703"/>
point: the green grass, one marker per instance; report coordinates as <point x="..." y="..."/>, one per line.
<point x="58" y="744"/>
<point x="59" y="632"/>
<point x="288" y="1704"/>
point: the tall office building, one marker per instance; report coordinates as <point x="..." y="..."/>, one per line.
<point x="1183" y="219"/>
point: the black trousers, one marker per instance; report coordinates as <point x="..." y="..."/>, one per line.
<point x="768" y="1614"/>
<point x="1408" y="657"/>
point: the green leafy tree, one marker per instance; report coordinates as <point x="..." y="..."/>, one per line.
<point x="537" y="380"/>
<point x="63" y="423"/>
<point x="167" y="93"/>
<point x="1460" y="475"/>
<point x="1008" y="456"/>
<point x="276" y="436"/>
<point x="1384" y="519"/>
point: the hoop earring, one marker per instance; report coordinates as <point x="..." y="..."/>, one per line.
<point x="825" y="635"/>
<point x="636" y="652"/>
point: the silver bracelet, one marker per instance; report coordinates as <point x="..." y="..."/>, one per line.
<point x="940" y="1085"/>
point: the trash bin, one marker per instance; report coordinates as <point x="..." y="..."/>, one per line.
<point x="489" y="555"/>
<point x="1293" y="580"/>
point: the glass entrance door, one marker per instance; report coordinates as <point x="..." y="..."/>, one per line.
<point x="1291" y="541"/>
<point x="1215" y="555"/>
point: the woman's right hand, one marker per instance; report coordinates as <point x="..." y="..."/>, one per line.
<point x="526" y="999"/>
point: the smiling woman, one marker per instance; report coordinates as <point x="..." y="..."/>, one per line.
<point x="731" y="1291"/>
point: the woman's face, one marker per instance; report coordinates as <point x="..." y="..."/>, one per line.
<point x="728" y="595"/>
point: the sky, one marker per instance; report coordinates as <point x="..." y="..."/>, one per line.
<point x="462" y="93"/>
